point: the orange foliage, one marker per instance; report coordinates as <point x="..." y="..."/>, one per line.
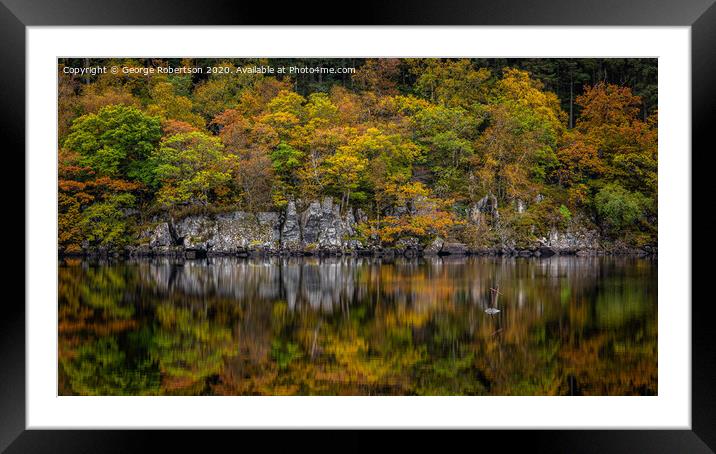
<point x="171" y="127"/>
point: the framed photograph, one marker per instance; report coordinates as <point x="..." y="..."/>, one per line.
<point x="429" y="217"/>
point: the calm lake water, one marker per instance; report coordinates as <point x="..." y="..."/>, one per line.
<point x="359" y="326"/>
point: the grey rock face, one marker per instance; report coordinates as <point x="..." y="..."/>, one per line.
<point x="399" y="211"/>
<point x="161" y="236"/>
<point x="409" y="246"/>
<point x="454" y="249"/>
<point x="361" y="216"/>
<point x="408" y="242"/>
<point x="239" y="231"/>
<point x="330" y="235"/>
<point x="291" y="229"/>
<point x="231" y="232"/>
<point x="311" y="224"/>
<point x="319" y="228"/>
<point x="485" y="212"/>
<point x="323" y="228"/>
<point x="435" y="247"/>
<point x="224" y="233"/>
<point x="196" y="232"/>
<point x="570" y="242"/>
<point x="349" y="231"/>
<point x="268" y="232"/>
<point x="159" y="240"/>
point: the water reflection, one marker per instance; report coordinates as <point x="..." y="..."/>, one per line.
<point x="566" y="325"/>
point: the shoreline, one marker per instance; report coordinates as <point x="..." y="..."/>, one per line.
<point x="389" y="253"/>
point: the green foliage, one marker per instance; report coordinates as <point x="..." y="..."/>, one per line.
<point x="321" y="107"/>
<point x="453" y="83"/>
<point x="447" y="137"/>
<point x="221" y="91"/>
<point x="168" y="105"/>
<point x="105" y="223"/>
<point x="116" y="141"/>
<point x="545" y="163"/>
<point x="565" y="213"/>
<point x="103" y="369"/>
<point x="637" y="171"/>
<point x="285" y="353"/>
<point x="190" y="167"/>
<point x="618" y="208"/>
<point x="187" y="346"/>
<point x="286" y="160"/>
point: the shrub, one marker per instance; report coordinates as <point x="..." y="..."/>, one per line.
<point x="565" y="213"/>
<point x="618" y="208"/>
<point x="105" y="223"/>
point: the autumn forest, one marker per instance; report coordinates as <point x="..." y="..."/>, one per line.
<point x="414" y="144"/>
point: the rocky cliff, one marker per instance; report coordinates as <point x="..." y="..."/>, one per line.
<point x="321" y="229"/>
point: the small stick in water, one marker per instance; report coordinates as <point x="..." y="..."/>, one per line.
<point x="496" y="293"/>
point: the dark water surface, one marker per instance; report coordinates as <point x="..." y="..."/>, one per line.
<point x="347" y="326"/>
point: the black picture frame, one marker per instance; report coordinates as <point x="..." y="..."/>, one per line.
<point x="700" y="15"/>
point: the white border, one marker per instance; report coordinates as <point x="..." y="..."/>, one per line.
<point x="670" y="409"/>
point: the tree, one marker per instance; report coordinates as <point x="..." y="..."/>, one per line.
<point x="380" y="75"/>
<point x="68" y="103"/>
<point x="317" y="145"/>
<point x="320" y="108"/>
<point x="190" y="168"/>
<point x="116" y="142"/>
<point x="606" y="105"/>
<point x="506" y="154"/>
<point x="93" y="98"/>
<point x="517" y="149"/>
<point x="537" y="110"/>
<point x="105" y="223"/>
<point x="221" y="91"/>
<point x="255" y="176"/>
<point x="348" y="105"/>
<point x="388" y="159"/>
<point x="425" y="217"/>
<point x="284" y="113"/>
<point x="452" y="83"/>
<point x="618" y="208"/>
<point x="628" y="146"/>
<point x="90" y="207"/>
<point x="250" y="143"/>
<point x="344" y="170"/>
<point x="253" y="99"/>
<point x="286" y="160"/>
<point x="172" y="127"/>
<point x="69" y="223"/>
<point x="578" y="161"/>
<point x="448" y="135"/>
<point x="167" y="105"/>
